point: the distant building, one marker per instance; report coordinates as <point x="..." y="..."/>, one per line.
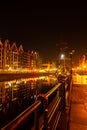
<point x="12" y="57"/>
<point x="1" y="55"/>
<point x="20" y="57"/>
<point x="33" y="59"/>
<point x="6" y="54"/>
<point x="82" y="61"/>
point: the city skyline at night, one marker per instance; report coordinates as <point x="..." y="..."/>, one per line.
<point x="43" y="65"/>
<point x="41" y="28"/>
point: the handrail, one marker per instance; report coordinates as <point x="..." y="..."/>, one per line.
<point x="41" y="99"/>
<point x="19" y="119"/>
<point x="52" y="90"/>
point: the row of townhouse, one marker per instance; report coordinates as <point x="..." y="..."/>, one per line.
<point x="12" y="57"/>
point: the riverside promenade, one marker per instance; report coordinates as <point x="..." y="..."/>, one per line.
<point x="78" y="111"/>
<point x="76" y="117"/>
<point x="6" y="76"/>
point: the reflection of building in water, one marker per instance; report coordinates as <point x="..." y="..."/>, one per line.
<point x="17" y="95"/>
<point x="13" y="93"/>
<point x="18" y="92"/>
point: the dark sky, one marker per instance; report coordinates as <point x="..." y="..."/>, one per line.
<point x="44" y="28"/>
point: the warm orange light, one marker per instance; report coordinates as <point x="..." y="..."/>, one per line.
<point x="84" y="66"/>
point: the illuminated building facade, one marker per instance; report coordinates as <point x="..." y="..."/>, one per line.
<point x="28" y="60"/>
<point x="1" y="55"/>
<point x="83" y="61"/>
<point x="33" y="59"/>
<point x="6" y="54"/>
<point x="14" y="58"/>
<point x="20" y="57"/>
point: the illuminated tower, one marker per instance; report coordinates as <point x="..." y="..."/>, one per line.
<point x="20" y="57"/>
<point x="1" y="55"/>
<point x="14" y="56"/>
<point x="6" y="54"/>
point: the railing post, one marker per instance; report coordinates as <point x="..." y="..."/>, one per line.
<point x="44" y="100"/>
<point x="45" y="120"/>
<point x="36" y="120"/>
<point x="36" y="116"/>
<point x="68" y="93"/>
<point x="62" y="95"/>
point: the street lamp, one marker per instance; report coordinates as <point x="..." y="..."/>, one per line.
<point x="63" y="58"/>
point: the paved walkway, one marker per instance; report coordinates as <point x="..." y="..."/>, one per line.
<point x="78" y="112"/>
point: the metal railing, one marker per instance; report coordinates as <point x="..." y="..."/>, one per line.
<point x="46" y="110"/>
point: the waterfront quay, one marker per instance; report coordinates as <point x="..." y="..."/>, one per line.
<point x="78" y="111"/>
<point x="48" y="100"/>
<point x="6" y="76"/>
<point x="77" y="114"/>
<point x="72" y="115"/>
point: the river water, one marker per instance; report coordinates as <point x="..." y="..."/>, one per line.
<point x="17" y="95"/>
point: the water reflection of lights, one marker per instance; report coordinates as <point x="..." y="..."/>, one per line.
<point x="18" y="81"/>
<point x="9" y="84"/>
<point x="16" y="92"/>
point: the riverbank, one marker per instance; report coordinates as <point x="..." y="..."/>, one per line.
<point x="12" y="76"/>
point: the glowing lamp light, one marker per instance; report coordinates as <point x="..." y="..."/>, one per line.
<point x="84" y="66"/>
<point x="62" y="56"/>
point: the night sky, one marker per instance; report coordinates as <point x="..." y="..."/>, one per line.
<point x="44" y="28"/>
